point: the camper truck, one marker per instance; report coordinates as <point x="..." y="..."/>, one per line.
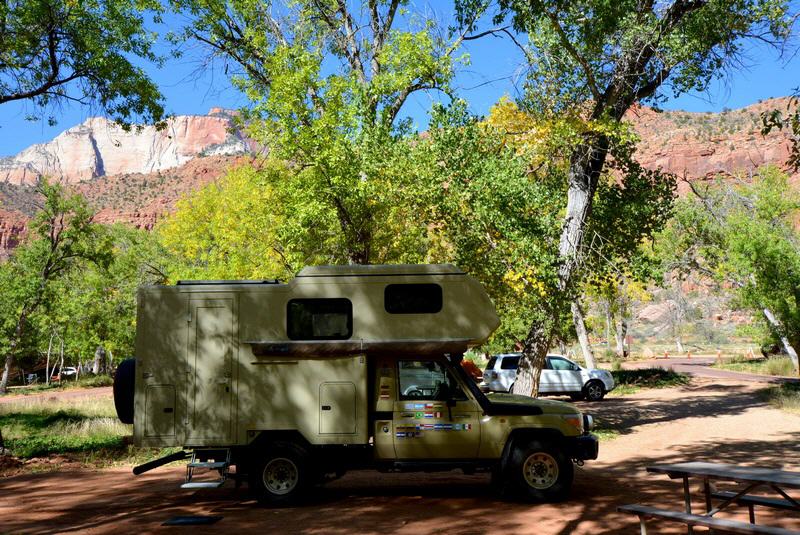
<point x="285" y="386"/>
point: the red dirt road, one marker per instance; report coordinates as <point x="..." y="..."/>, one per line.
<point x="708" y="420"/>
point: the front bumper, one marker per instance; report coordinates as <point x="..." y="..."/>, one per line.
<point x="582" y="448"/>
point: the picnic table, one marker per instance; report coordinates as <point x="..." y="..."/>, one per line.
<point x="749" y="479"/>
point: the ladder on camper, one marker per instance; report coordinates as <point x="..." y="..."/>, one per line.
<point x="218" y="459"/>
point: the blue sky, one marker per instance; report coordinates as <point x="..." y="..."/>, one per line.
<point x="495" y="70"/>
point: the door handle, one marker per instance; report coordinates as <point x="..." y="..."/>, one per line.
<point x="325" y="408"/>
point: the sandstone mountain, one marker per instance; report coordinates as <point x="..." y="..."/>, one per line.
<point x="98" y="147"/>
<point x="135" y="177"/>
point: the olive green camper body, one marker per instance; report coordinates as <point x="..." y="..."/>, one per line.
<point x="327" y="363"/>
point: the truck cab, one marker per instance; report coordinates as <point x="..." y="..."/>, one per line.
<point x="350" y="367"/>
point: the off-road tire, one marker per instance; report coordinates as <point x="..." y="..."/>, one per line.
<point x="594" y="390"/>
<point x="281" y="474"/>
<point x="124" y="380"/>
<point x="538" y="471"/>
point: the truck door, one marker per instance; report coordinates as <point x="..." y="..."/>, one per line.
<point x="425" y="425"/>
<point x="211" y="349"/>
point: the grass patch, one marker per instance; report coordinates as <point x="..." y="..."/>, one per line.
<point x="82" y="430"/>
<point x="37" y="427"/>
<point x="785" y="397"/>
<point x="606" y="434"/>
<point x="631" y="381"/>
<point x="777" y="366"/>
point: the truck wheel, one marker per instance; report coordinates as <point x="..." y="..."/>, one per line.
<point x="541" y="472"/>
<point x="124" y="386"/>
<point x="282" y="474"/>
<point x="594" y="391"/>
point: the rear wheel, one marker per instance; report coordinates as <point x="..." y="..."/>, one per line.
<point x="539" y="471"/>
<point x="511" y="389"/>
<point x="282" y="474"/>
<point x="594" y="391"/>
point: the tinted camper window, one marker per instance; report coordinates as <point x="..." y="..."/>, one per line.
<point x="412" y="298"/>
<point x="319" y="319"/>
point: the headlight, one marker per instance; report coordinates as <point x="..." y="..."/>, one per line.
<point x="588" y="422"/>
<point x="574" y="420"/>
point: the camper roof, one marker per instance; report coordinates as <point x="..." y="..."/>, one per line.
<point x="392" y="269"/>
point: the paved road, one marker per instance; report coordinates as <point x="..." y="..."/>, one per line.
<point x="699" y="366"/>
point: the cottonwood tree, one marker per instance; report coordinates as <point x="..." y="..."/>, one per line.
<point x="54" y="52"/>
<point x="62" y="236"/>
<point x="328" y="80"/>
<point x="742" y="235"/>
<point x="600" y="58"/>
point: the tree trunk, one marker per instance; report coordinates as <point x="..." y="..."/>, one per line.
<point x="679" y="343"/>
<point x="607" y="310"/>
<point x="583" y="336"/>
<point x="6" y="371"/>
<point x="586" y="163"/>
<point x="12" y="347"/>
<point x="620" y="333"/>
<point x="47" y="364"/>
<point x="787" y="346"/>
<point x="99" y="359"/>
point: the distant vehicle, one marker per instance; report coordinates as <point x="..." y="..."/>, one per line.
<point x="69" y="371"/>
<point x="559" y="376"/>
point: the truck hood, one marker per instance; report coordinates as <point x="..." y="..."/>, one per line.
<point x="512" y="404"/>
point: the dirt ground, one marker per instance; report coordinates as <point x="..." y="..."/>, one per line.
<point x="712" y="419"/>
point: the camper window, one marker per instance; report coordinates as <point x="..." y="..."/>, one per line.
<point x="319" y="319"/>
<point x="412" y="298"/>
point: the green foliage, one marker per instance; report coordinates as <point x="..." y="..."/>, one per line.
<point x="578" y="50"/>
<point x="743" y="235"/>
<point x="63" y="237"/>
<point x="58" y="51"/>
<point x="327" y="83"/>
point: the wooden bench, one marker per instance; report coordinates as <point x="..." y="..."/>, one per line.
<point x="775" y="503"/>
<point x="751" y="501"/>
<point x="721" y="524"/>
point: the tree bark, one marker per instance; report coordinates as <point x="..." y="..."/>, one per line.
<point x="620" y="333"/>
<point x="607" y="313"/>
<point x="583" y="336"/>
<point x="787" y="346"/>
<point x="99" y="359"/>
<point x="12" y="348"/>
<point x="47" y="364"/>
<point x="586" y="163"/>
